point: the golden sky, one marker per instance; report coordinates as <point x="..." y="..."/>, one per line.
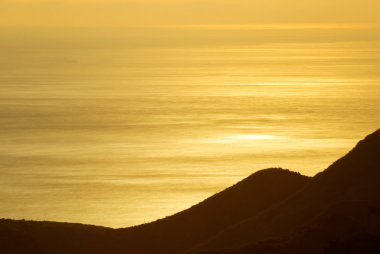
<point x="96" y="13"/>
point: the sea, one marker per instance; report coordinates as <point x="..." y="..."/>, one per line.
<point x="122" y="126"/>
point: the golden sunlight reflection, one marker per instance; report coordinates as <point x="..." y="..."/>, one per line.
<point x="119" y="127"/>
<point x="277" y="26"/>
<point x="242" y="138"/>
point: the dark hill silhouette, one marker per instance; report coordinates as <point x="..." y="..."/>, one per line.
<point x="247" y="198"/>
<point x="30" y="237"/>
<point x="169" y="235"/>
<point x="272" y="211"/>
<point x="347" y="227"/>
<point x="355" y="177"/>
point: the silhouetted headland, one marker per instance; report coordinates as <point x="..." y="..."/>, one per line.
<point x="271" y="211"/>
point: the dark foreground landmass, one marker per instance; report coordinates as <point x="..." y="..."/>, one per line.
<point x="272" y="211"/>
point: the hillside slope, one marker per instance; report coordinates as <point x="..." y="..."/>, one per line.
<point x="272" y="211"/>
<point x="355" y="177"/>
<point x="170" y="235"/>
<point x="249" y="197"/>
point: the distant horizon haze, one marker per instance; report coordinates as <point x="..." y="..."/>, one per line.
<point x="116" y="119"/>
<point x="97" y="13"/>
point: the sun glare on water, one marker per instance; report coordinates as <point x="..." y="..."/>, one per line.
<point x="120" y="112"/>
<point x="243" y="138"/>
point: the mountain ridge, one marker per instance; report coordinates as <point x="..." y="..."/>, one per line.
<point x="271" y="211"/>
<point x="205" y="219"/>
<point x="343" y="180"/>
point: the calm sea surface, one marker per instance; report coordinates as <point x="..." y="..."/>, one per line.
<point x="117" y="130"/>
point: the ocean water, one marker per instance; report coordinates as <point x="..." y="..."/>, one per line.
<point x="119" y="128"/>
